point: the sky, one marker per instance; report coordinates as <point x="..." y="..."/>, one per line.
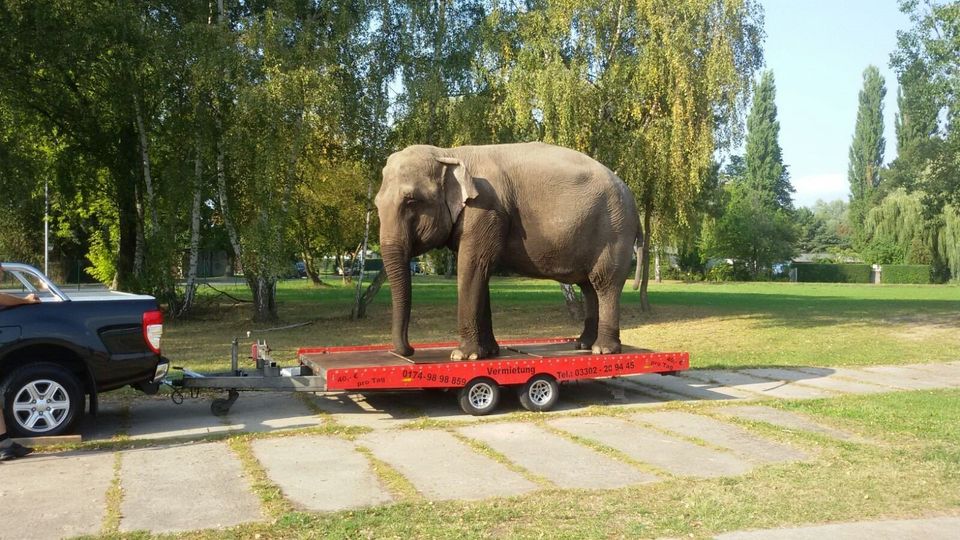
<point x="818" y="50"/>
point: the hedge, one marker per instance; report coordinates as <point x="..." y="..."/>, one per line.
<point x="905" y="273"/>
<point x="833" y="273"/>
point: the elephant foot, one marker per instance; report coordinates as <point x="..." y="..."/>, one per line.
<point x="403" y="351"/>
<point x="612" y="347"/>
<point x="585" y="342"/>
<point x="474" y="352"/>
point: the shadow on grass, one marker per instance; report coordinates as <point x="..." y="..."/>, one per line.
<point x="798" y="311"/>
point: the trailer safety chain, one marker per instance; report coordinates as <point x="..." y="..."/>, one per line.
<point x="176" y="395"/>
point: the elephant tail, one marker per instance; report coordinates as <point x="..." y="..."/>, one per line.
<point x="638" y="248"/>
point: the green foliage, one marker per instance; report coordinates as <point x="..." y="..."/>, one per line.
<point x="824" y="228"/>
<point x="751" y="230"/>
<point x="866" y="149"/>
<point x="948" y="240"/>
<point x="895" y="231"/>
<point x="763" y="160"/>
<point x="833" y="273"/>
<point x="906" y="273"/>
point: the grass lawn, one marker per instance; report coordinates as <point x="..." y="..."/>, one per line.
<point x="721" y="325"/>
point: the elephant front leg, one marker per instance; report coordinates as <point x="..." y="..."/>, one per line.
<point x="476" y="329"/>
<point x="474" y="266"/>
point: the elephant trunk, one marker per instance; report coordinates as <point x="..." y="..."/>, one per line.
<point x="396" y="261"/>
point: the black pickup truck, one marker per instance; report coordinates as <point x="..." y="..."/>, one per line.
<point x="56" y="353"/>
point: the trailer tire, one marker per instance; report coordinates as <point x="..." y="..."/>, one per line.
<point x="480" y="396"/>
<point x="539" y="394"/>
<point x="220" y="407"/>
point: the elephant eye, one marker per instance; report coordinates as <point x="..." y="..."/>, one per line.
<point x="409" y="200"/>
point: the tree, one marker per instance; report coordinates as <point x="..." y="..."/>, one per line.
<point x="895" y="232"/>
<point x="926" y="170"/>
<point x="763" y="159"/>
<point x="651" y="89"/>
<point x="756" y="226"/>
<point x="824" y="228"/>
<point x="866" y="150"/>
<point x="751" y="230"/>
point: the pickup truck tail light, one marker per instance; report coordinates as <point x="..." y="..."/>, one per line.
<point x="153" y="329"/>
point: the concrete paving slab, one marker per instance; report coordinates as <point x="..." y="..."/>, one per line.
<point x="894" y="383"/>
<point x="942" y="528"/>
<point x="184" y="488"/>
<point x="653" y="447"/>
<point x="320" y="473"/>
<point x="827" y="382"/>
<point x="742" y="442"/>
<point x="443" y="468"/>
<point x="785" y="419"/>
<point x="601" y="392"/>
<point x="54" y="496"/>
<point x="271" y="411"/>
<point x="561" y="461"/>
<point x="159" y="419"/>
<point x="950" y="370"/>
<point x="758" y="386"/>
<point x="684" y="387"/>
<point x="908" y="377"/>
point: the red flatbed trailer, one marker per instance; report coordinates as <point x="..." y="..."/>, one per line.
<point x="534" y="367"/>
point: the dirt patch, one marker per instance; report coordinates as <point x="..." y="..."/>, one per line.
<point x="923" y="326"/>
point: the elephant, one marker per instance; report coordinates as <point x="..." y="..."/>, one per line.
<point x="536" y="209"/>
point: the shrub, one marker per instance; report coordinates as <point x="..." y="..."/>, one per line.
<point x="833" y="273"/>
<point x="905" y="273"/>
<point x="720" y="272"/>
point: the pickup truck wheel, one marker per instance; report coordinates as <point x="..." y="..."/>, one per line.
<point x="41" y="400"/>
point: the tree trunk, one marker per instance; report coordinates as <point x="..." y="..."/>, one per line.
<point x="360" y="310"/>
<point x="224" y="204"/>
<point x="311" y="269"/>
<point x="573" y="301"/>
<point x="125" y="180"/>
<point x="645" y="256"/>
<point x="147" y="176"/>
<point x="139" y="253"/>
<point x="264" y="298"/>
<point x="451" y="264"/>
<point x="191" y="286"/>
<point x="656" y="265"/>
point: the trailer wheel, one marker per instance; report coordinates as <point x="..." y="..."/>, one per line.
<point x="480" y="396"/>
<point x="539" y="394"/>
<point x="221" y="406"/>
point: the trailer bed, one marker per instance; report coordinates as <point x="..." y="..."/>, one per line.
<point x="533" y="367"/>
<point x="378" y="368"/>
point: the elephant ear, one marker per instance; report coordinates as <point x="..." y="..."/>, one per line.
<point x="458" y="187"/>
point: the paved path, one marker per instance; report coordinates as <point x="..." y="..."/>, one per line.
<point x="944" y="528"/>
<point x="179" y="482"/>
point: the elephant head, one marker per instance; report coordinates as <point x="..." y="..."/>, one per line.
<point x="422" y="195"/>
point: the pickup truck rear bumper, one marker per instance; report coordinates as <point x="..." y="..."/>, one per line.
<point x="152" y="387"/>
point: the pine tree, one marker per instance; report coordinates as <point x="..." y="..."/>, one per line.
<point x="765" y="171"/>
<point x="866" y="150"/>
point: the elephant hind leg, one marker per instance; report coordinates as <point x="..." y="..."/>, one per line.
<point x="591" y="312"/>
<point x="608" y="324"/>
